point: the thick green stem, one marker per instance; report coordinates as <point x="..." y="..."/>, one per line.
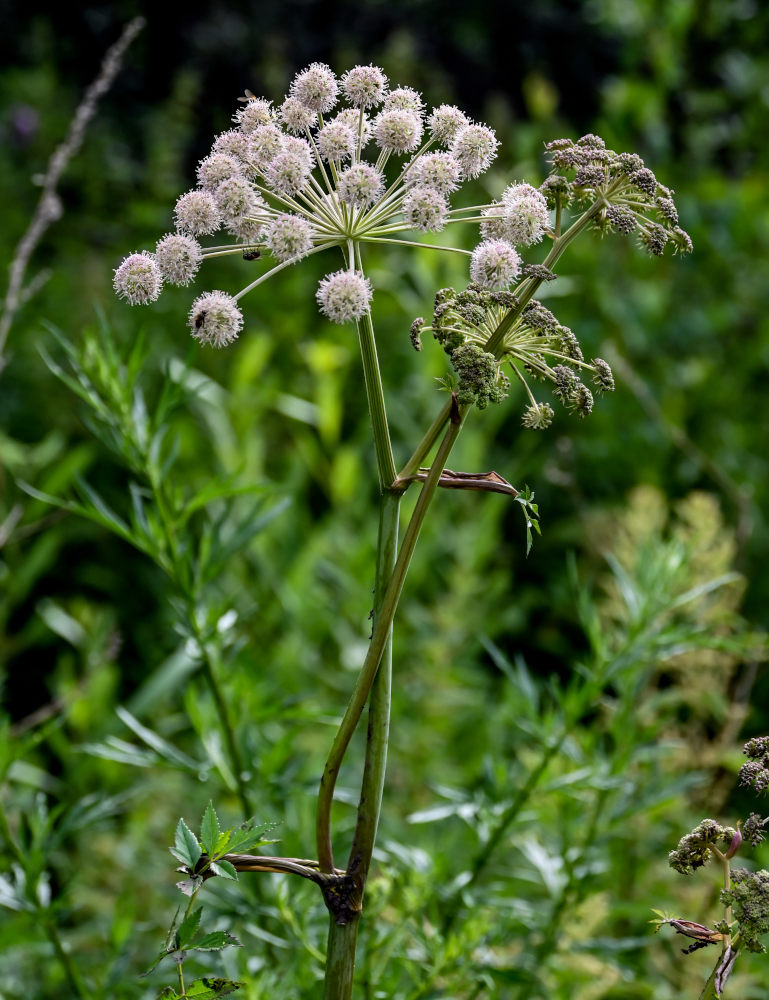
<point x="372" y="786"/>
<point x="709" y="990"/>
<point x="340" y="959"/>
<point x="495" y="342"/>
<point x="379" y="638"/>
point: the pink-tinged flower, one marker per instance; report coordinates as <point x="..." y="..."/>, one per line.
<point x="360" y="185"/>
<point x="137" y="279"/>
<point x="178" y="258"/>
<point x="437" y="170"/>
<point x="316" y="87"/>
<point x="445" y="121"/>
<point x="297" y="117"/>
<point x="398" y="131"/>
<point x="344" y="295"/>
<point x="364" y="86"/>
<point x="233" y="143"/>
<point x="495" y="264"/>
<point x="264" y="144"/>
<point x="404" y="99"/>
<point x="336" y="141"/>
<point x="289" y="236"/>
<point x="196" y="212"/>
<point x="474" y="147"/>
<point x="216" y="168"/>
<point x="236" y="198"/>
<point x="425" y="208"/>
<point x="521" y="217"/>
<point x="215" y="319"/>
<point x="254" y="113"/>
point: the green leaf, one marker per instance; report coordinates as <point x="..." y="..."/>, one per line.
<point x="214" y="941"/>
<point x="245" y="837"/>
<point x="224" y="868"/>
<point x="209" y="830"/>
<point x="162" y="747"/>
<point x="186" y="846"/>
<point x="189" y="927"/>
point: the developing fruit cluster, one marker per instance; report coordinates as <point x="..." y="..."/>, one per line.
<point x="536" y="345"/>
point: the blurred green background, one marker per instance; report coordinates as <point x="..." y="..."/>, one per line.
<point x="669" y="474"/>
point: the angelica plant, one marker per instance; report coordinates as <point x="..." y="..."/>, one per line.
<point x="745" y="893"/>
<point x="339" y="165"/>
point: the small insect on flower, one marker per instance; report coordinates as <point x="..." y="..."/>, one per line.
<point x="252" y="254"/>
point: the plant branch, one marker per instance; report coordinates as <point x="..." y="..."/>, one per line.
<point x="379" y="638"/>
<point x="48" y="208"/>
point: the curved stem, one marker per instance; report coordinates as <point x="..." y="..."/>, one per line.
<point x="379" y="638"/>
<point x="372" y="786"/>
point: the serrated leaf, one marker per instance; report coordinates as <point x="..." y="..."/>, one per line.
<point x="225" y="869"/>
<point x="169" y="993"/>
<point x="209" y="830"/>
<point x="245" y="837"/>
<point x="186" y="846"/>
<point x="214" y="941"/>
<point x="188" y="928"/>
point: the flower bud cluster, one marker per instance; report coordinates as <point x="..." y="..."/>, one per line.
<point x="472" y="316"/>
<point x="635" y="201"/>
<point x="748" y="896"/>
<point x="696" y="848"/>
<point x="756" y="771"/>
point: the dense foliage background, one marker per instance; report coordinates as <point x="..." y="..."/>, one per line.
<point x="586" y="708"/>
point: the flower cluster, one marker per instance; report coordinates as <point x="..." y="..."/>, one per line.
<point x="535" y="345"/>
<point x="628" y="196"/>
<point x="696" y="848"/>
<point x="296" y="178"/>
<point x="748" y="897"/>
<point x="756" y="771"/>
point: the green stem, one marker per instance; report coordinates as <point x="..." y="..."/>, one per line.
<point x="340" y="960"/>
<point x="208" y="657"/>
<point x="71" y="972"/>
<point x="496" y="341"/>
<point x="378" y="642"/>
<point x="375" y="394"/>
<point x="70" y="969"/>
<point x="483" y="857"/>
<point x="372" y="786"/>
<point x="424" y="447"/>
<point x="709" y="989"/>
<point x="210" y="672"/>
